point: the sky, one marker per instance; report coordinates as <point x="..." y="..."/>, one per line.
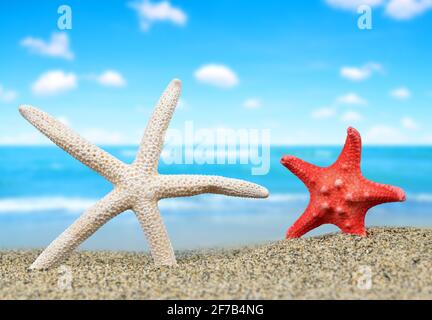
<point x="302" y="69"/>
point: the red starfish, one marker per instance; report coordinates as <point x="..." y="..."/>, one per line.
<point x="339" y="194"/>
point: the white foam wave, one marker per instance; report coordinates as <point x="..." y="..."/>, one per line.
<point x="210" y="202"/>
<point x="44" y="204"/>
<point x="76" y="205"/>
<point x="129" y="153"/>
<point x="288" y="197"/>
<point x="420" y="197"/>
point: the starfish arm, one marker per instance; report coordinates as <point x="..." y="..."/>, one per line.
<point x="148" y="214"/>
<point x="153" y="139"/>
<point x="108" y="207"/>
<point x="350" y="157"/>
<point x="307" y="221"/>
<point x="84" y="151"/>
<point x="190" y="185"/>
<point x="377" y="193"/>
<point x="305" y="171"/>
<point x="354" y="224"/>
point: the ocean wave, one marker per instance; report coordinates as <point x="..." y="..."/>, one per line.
<point x="129" y="153"/>
<point x="288" y="197"/>
<point x="45" y="204"/>
<point x="73" y="204"/>
<point x="209" y="202"/>
<point x="323" y="153"/>
<point x="420" y="197"/>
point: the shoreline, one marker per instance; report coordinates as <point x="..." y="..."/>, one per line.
<point x="392" y="263"/>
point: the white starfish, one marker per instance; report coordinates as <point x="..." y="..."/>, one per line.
<point x="137" y="186"/>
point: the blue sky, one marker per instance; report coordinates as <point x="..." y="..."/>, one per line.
<point x="302" y="69"/>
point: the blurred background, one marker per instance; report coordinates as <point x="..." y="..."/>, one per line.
<point x="304" y="70"/>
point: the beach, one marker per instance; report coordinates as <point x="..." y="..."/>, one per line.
<point x="392" y="263"/>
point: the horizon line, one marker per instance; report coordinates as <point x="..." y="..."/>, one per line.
<point x="109" y="145"/>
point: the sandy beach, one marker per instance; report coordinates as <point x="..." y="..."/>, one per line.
<point x="333" y="266"/>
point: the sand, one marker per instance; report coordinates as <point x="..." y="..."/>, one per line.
<point x="334" y="266"/>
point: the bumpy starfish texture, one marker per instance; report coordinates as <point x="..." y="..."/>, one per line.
<point x="339" y="194"/>
<point x="137" y="186"/>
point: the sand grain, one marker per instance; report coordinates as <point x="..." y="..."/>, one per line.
<point x="327" y="267"/>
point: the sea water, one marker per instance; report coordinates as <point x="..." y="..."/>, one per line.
<point x="43" y="190"/>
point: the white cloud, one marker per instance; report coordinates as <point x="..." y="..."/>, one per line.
<point x="407" y="9"/>
<point x="396" y="9"/>
<point x="428" y="139"/>
<point x="360" y="73"/>
<point x="401" y="93"/>
<point x="150" y="13"/>
<point x="334" y="109"/>
<point x="217" y="75"/>
<point x="103" y="137"/>
<point x="95" y="135"/>
<point x="182" y="104"/>
<point x="23" y="139"/>
<point x="252" y="103"/>
<point x="351" y="99"/>
<point x="64" y="120"/>
<point x="7" y="95"/>
<point x="384" y="134"/>
<point x="353" y="4"/>
<point x="351" y="116"/>
<point x="54" y="82"/>
<point x="111" y="78"/>
<point x="57" y="47"/>
<point x="409" y="123"/>
<point x="323" y="113"/>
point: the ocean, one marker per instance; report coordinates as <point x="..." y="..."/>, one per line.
<point x="43" y="190"/>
